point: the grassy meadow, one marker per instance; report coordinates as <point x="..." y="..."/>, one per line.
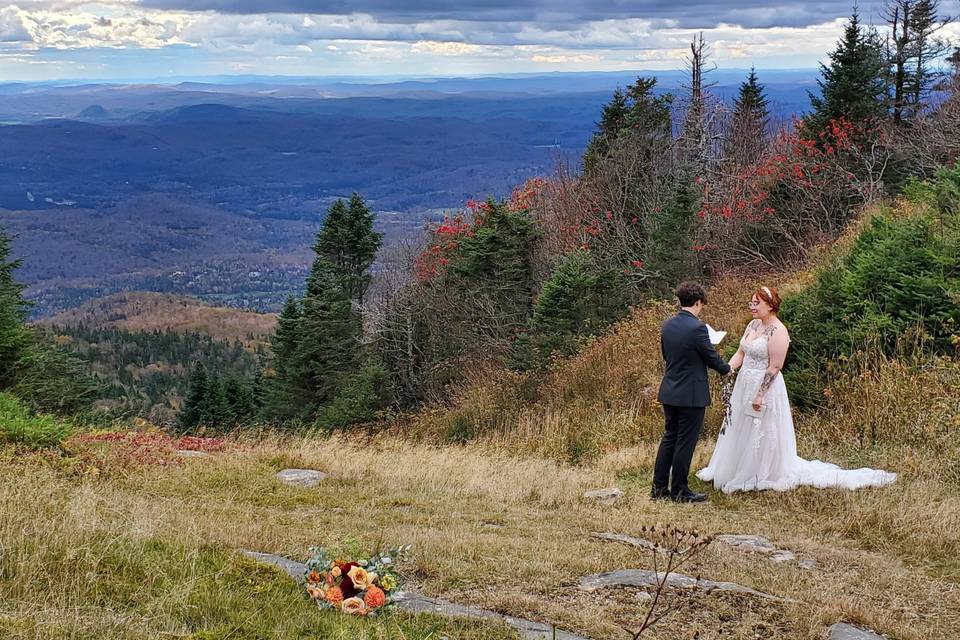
<point x="134" y="546"/>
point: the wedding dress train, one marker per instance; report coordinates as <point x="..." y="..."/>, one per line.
<point x="761" y="453"/>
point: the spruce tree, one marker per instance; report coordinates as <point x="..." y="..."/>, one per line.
<point x="578" y="300"/>
<point x="216" y="413"/>
<point x="613" y="119"/>
<point x="239" y="399"/>
<point x="853" y="85"/>
<point x="14" y="338"/>
<point x="670" y="254"/>
<point x="284" y="388"/>
<point x="348" y="241"/>
<point x="195" y="403"/>
<point x="328" y="345"/>
<point x="635" y="111"/>
<point x="927" y="47"/>
<point x="749" y="123"/>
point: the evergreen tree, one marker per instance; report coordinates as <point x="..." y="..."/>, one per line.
<point x="14" y="338"/>
<point x="216" y="413"/>
<point x="670" y="254"/>
<point x="613" y="120"/>
<point x="328" y="346"/>
<point x="494" y="264"/>
<point x="318" y="341"/>
<point x="282" y="390"/>
<point x="195" y="403"/>
<point x="348" y="241"/>
<point x="853" y="85"/>
<point x="578" y="300"/>
<point x="751" y="116"/>
<point x="913" y="48"/>
<point x="635" y="112"/>
<point x="239" y="399"/>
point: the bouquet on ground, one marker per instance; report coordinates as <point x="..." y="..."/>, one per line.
<point x="356" y="587"/>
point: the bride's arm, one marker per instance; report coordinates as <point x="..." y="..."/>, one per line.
<point x="737" y="360"/>
<point x="777" y="346"/>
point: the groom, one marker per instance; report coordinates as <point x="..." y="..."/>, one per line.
<point x="684" y="394"/>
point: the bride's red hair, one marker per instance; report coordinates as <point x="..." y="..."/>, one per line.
<point x="770" y="296"/>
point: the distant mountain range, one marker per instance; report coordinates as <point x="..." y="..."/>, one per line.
<point x="215" y="187"/>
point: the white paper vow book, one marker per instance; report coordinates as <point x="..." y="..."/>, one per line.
<point x="716" y="337"/>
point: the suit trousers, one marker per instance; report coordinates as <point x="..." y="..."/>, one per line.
<point x="682" y="430"/>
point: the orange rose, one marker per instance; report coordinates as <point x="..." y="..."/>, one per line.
<point x="360" y="578"/>
<point x="354" y="606"/>
<point x="375" y="597"/>
<point x="335" y="572"/>
<point x="334" y="596"/>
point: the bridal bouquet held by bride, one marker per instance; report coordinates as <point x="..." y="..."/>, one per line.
<point x="757" y="448"/>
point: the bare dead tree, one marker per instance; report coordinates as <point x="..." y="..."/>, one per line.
<point x="700" y="132"/>
<point x="935" y="139"/>
<point x="914" y="44"/>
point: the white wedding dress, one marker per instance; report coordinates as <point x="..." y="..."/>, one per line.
<point x="761" y="453"/>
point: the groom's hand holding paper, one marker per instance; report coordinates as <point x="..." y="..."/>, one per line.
<point x="716" y="337"/>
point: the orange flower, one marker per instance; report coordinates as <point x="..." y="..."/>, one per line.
<point x="334" y="596"/>
<point x="313" y="576"/>
<point x="354" y="606"/>
<point x="375" y="597"/>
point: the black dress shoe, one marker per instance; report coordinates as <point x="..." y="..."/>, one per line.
<point x="689" y="496"/>
<point x="659" y="494"/>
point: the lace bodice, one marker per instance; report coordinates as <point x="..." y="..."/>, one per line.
<point x="755" y="356"/>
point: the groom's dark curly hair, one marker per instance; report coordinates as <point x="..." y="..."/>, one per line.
<point x="689" y="293"/>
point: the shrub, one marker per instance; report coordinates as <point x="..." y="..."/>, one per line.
<point x="898" y="284"/>
<point x="578" y="301"/>
<point x="361" y="397"/>
<point x="52" y="380"/>
<point x="18" y="425"/>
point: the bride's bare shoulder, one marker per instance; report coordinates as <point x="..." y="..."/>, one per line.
<point x="781" y="328"/>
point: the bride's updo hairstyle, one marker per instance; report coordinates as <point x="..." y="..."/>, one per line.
<point x="770" y="296"/>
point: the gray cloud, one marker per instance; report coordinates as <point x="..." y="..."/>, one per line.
<point x="12" y="28"/>
<point x="561" y="14"/>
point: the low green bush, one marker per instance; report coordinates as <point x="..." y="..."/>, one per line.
<point x="896" y="288"/>
<point x="18" y="425"/>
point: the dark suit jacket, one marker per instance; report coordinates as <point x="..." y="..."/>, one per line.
<point x="685" y="344"/>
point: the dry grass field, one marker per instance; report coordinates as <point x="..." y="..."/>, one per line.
<point x="153" y="551"/>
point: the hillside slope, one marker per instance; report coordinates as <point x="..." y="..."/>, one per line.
<point x="146" y="311"/>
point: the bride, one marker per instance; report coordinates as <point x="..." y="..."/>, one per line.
<point x="758" y="449"/>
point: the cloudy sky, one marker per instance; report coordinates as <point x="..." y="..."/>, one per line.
<point x="46" y="39"/>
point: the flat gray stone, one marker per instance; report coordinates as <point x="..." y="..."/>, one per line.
<point x="762" y="546"/>
<point x="604" y="496"/>
<point x="416" y="603"/>
<point x="644" y="578"/>
<point x="301" y="477"/>
<point x="639" y="543"/>
<point x="527" y="629"/>
<point x="294" y="569"/>
<point x="844" y="631"/>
